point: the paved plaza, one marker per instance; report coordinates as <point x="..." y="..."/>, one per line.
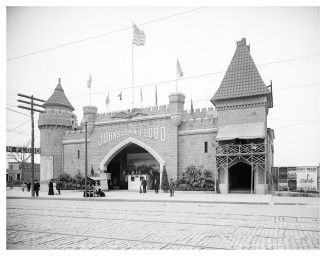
<point x="41" y="223"/>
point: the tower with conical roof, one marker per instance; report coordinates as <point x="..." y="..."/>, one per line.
<point x="244" y="152"/>
<point x="53" y="123"/>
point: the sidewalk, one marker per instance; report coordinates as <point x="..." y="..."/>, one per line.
<point x="180" y="197"/>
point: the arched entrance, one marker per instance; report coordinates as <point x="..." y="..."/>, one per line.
<point x="240" y="178"/>
<point x="129" y="161"/>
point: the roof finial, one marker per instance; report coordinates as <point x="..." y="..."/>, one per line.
<point x="59" y="80"/>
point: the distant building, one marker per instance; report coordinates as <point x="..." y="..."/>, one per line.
<point x="232" y="139"/>
<point x="18" y="171"/>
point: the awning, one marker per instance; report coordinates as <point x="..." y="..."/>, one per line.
<point x="241" y="131"/>
<point x="95" y="177"/>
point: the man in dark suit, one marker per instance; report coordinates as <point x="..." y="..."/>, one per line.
<point x="36" y="187"/>
<point x="144" y="184"/>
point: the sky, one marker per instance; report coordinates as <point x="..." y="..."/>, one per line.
<point x="72" y="43"/>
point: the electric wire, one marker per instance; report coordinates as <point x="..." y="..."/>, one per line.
<point x="191" y="77"/>
<point x="105" y="34"/>
<point x="18" y="126"/>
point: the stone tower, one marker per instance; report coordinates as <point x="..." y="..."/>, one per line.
<point x="242" y="103"/>
<point x="53" y="123"/>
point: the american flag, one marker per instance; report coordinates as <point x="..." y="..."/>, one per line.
<point x="179" y="70"/>
<point x="89" y="82"/>
<point x="139" y="36"/>
<point x="120" y="95"/>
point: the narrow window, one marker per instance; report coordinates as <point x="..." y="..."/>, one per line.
<point x="78" y="154"/>
<point x="206" y="146"/>
<point x="18" y="176"/>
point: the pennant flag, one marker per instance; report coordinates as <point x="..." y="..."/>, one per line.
<point x="107" y="101"/>
<point x="192" y="108"/>
<point x="179" y="70"/>
<point x="141" y="94"/>
<point x="89" y="82"/>
<point x="155" y="96"/>
<point x="139" y="36"/>
<point x="120" y="95"/>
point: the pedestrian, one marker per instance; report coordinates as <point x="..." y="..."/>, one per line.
<point x="36" y="187"/>
<point x="156" y="185"/>
<point x="172" y="185"/>
<point x="54" y="187"/>
<point x="23" y="186"/>
<point x="28" y="186"/>
<point x="58" y="186"/>
<point x="51" y="192"/>
<point x="144" y="183"/>
<point x="141" y="185"/>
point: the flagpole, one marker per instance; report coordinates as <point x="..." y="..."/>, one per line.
<point x="132" y="63"/>
<point x="176" y="82"/>
<point x="90" y="88"/>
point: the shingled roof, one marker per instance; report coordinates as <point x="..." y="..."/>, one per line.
<point x="58" y="98"/>
<point x="242" y="78"/>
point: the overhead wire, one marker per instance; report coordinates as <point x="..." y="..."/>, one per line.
<point x="190" y="77"/>
<point x="18" y="126"/>
<point x="104" y="34"/>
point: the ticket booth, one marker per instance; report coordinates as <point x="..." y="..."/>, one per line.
<point x="135" y="180"/>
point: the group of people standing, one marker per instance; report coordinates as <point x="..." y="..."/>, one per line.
<point x="143" y="186"/>
<point x="54" y="184"/>
<point x="28" y="185"/>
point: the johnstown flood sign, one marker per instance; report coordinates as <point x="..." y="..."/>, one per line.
<point x="22" y="150"/>
<point x="157" y="133"/>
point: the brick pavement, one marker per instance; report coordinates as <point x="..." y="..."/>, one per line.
<point x="119" y="228"/>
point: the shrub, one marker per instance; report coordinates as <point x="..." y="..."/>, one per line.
<point x="165" y="181"/>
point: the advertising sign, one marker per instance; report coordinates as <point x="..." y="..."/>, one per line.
<point x="307" y="178"/>
<point x="46" y="168"/>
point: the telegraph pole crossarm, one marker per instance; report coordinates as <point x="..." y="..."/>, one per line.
<point x="30" y="107"/>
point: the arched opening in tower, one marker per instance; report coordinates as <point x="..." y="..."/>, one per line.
<point x="240" y="178"/>
<point x="129" y="166"/>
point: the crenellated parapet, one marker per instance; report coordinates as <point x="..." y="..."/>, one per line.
<point x="129" y="114"/>
<point x="200" y="123"/>
<point x="74" y="135"/>
<point x="57" y="117"/>
<point x="199" y="113"/>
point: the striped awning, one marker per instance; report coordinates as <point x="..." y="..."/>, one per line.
<point x="241" y="131"/>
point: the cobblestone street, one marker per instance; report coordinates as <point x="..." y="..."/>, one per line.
<point x="55" y="224"/>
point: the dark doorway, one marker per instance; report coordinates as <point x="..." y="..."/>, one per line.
<point x="133" y="161"/>
<point x="240" y="178"/>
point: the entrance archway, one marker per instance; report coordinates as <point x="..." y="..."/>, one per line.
<point x="131" y="157"/>
<point x="240" y="178"/>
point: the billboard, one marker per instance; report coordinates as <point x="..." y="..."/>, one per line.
<point x="297" y="178"/>
<point x="307" y="178"/>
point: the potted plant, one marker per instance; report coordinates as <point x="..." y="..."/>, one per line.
<point x="165" y="181"/>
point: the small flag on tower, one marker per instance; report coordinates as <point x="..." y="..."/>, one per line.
<point x="192" y="108"/>
<point x="155" y="96"/>
<point x="120" y="95"/>
<point x="179" y="70"/>
<point x="141" y="94"/>
<point x="107" y="101"/>
<point x="139" y="36"/>
<point x="89" y="82"/>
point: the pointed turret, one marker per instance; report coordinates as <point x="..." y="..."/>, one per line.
<point x="242" y="78"/>
<point x="59" y="99"/>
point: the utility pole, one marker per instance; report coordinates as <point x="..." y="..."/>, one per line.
<point x="86" y="160"/>
<point x="32" y="109"/>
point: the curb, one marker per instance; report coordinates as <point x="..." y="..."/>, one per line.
<point x="152" y="201"/>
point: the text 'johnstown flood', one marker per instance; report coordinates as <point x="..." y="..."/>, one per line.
<point x="152" y="133"/>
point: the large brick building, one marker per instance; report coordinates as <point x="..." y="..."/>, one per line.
<point x="231" y="139"/>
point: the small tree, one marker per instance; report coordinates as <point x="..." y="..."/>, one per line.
<point x="165" y="180"/>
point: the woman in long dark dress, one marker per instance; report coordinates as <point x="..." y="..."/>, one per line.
<point x="51" y="192"/>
